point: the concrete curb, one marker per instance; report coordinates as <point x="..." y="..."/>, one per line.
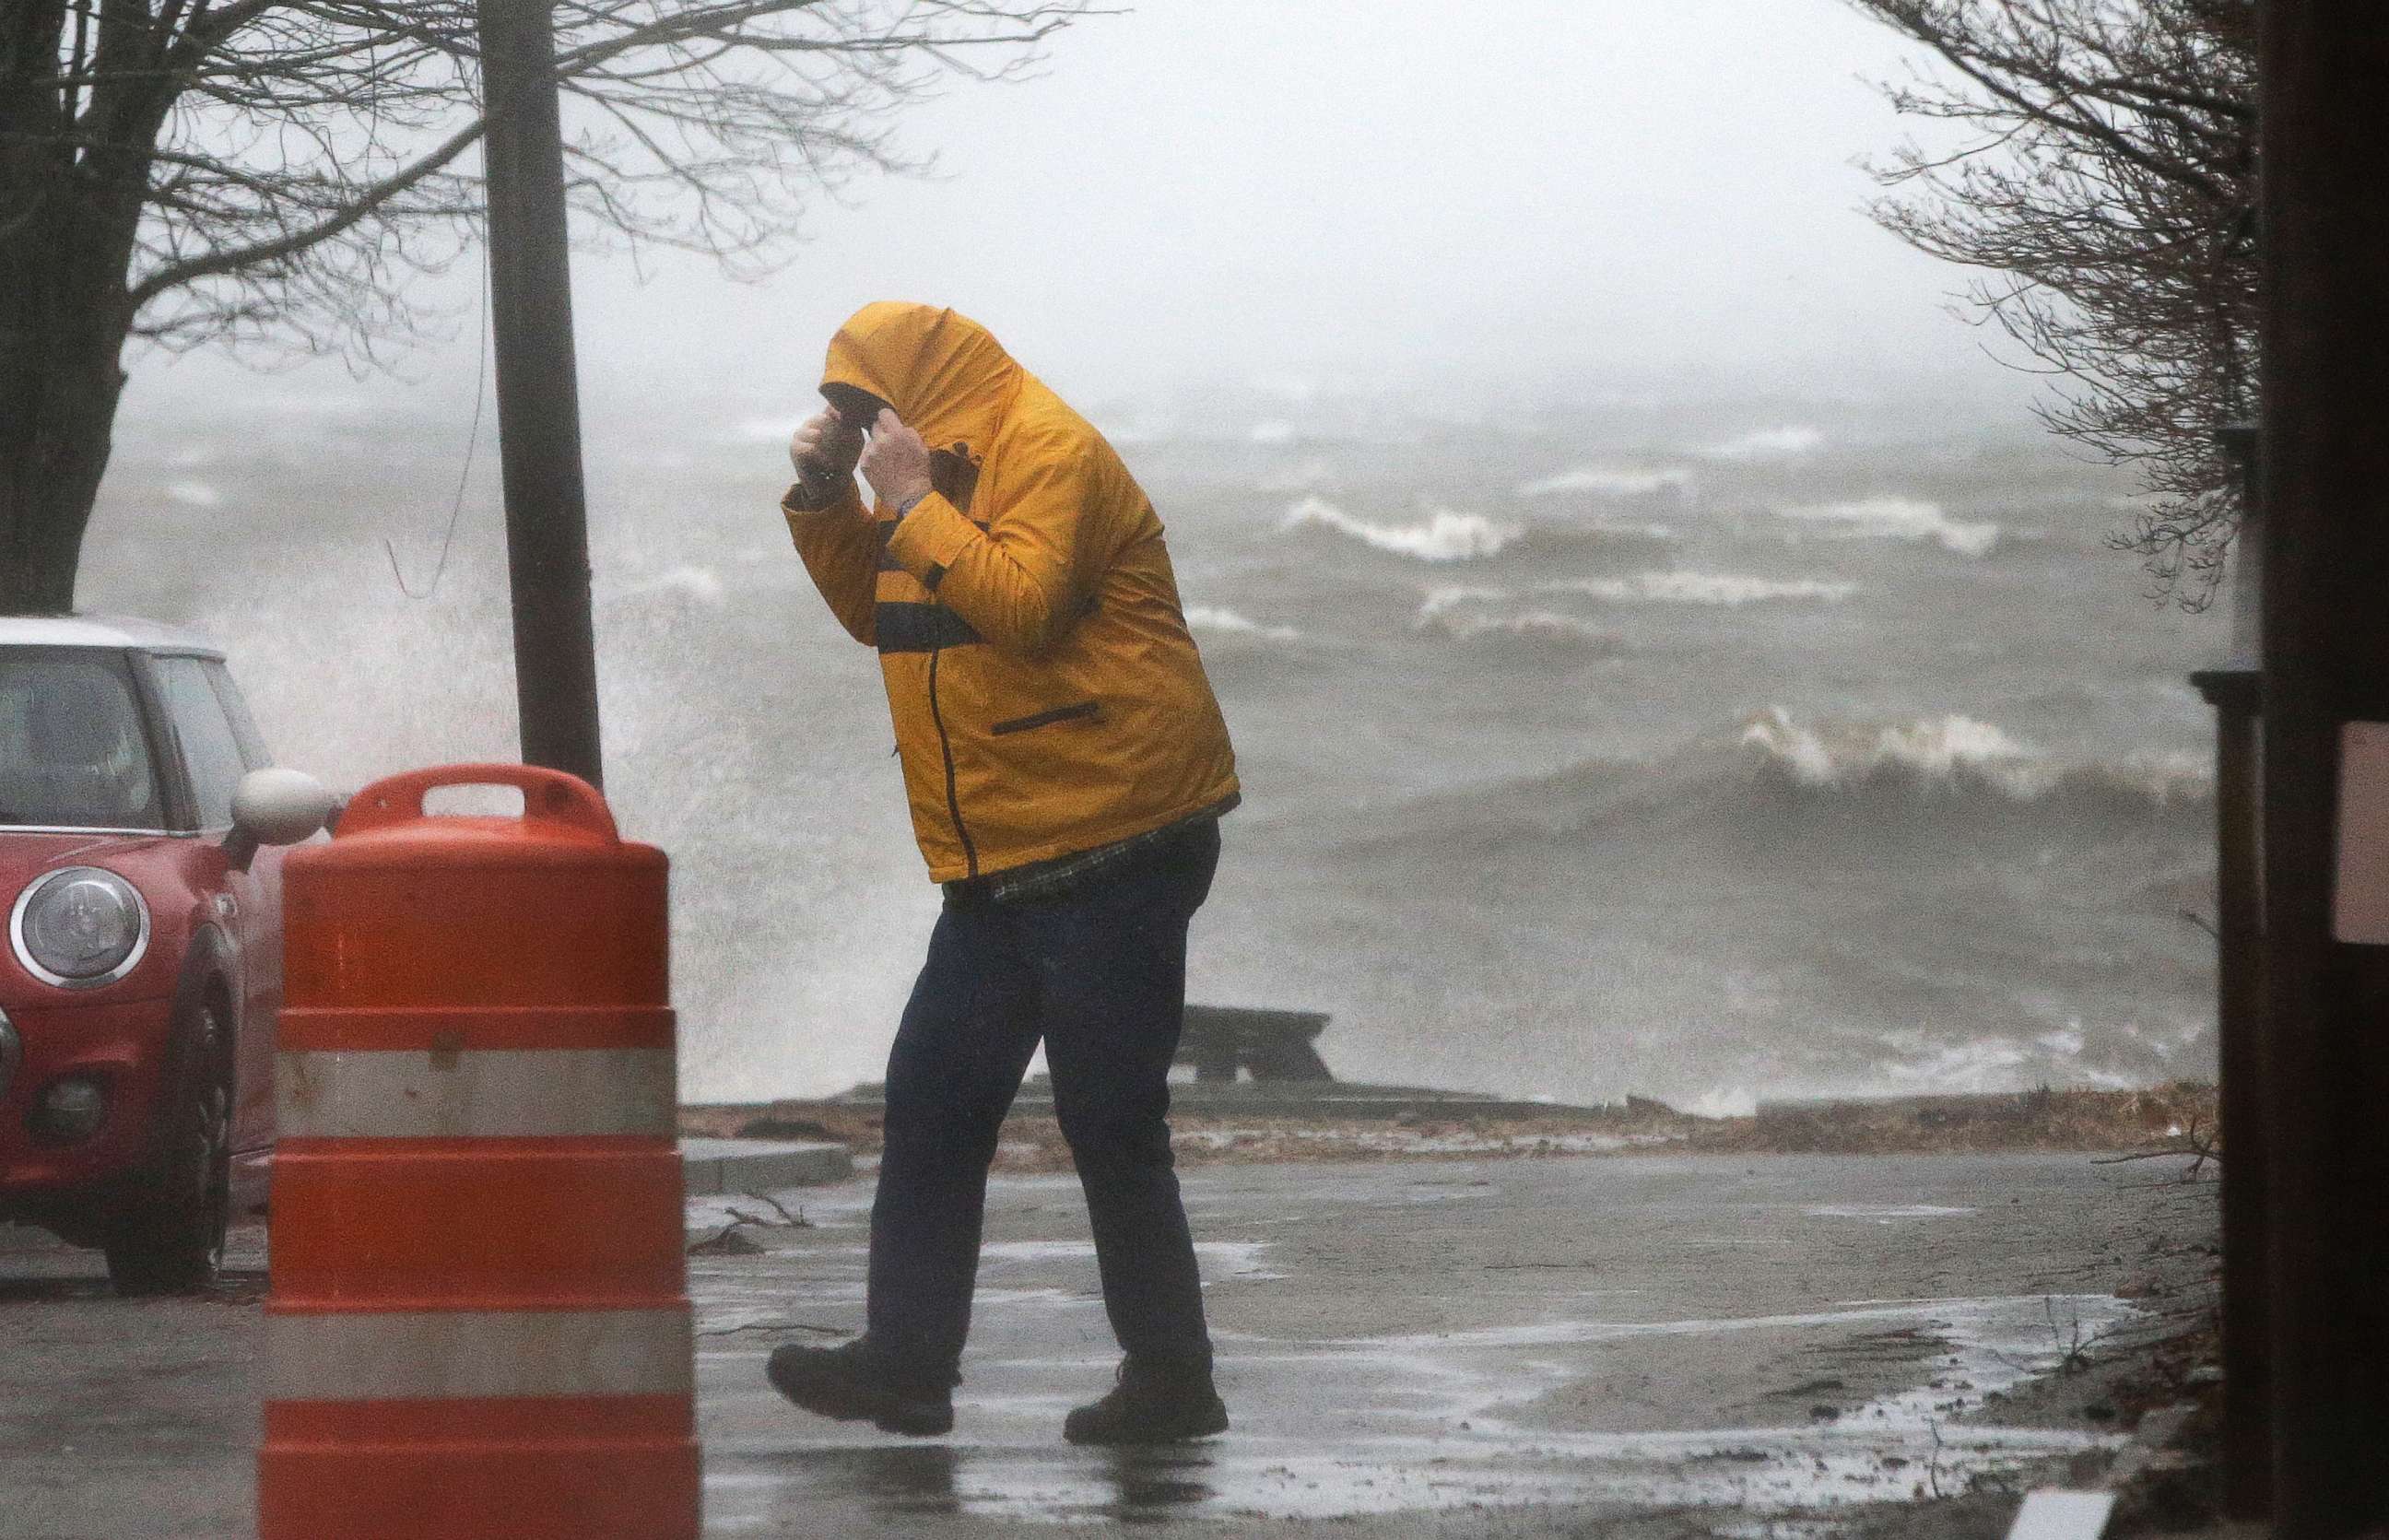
<point x="718" y="1166"/>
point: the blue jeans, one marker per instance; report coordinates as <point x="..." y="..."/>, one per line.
<point x="1099" y="973"/>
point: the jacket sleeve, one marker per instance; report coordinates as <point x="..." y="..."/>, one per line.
<point x="840" y="545"/>
<point x="1023" y="580"/>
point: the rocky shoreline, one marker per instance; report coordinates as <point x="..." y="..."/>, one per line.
<point x="1266" y="1122"/>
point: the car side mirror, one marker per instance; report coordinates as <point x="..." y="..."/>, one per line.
<point x="276" y="807"/>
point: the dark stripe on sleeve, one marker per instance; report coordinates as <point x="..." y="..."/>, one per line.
<point x="922" y="629"/>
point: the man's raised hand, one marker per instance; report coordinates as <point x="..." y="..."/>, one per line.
<point x="824" y="447"/>
<point x="896" y="463"/>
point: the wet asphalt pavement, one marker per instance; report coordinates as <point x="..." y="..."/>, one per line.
<point x="1506" y="1346"/>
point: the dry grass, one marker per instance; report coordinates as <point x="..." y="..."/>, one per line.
<point x="2173" y="1116"/>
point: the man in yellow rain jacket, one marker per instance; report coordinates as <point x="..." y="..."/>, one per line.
<point x="1066" y="767"/>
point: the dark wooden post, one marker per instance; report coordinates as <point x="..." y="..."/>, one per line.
<point x="539" y="403"/>
<point x="2324" y="207"/>
<point x="2236" y="691"/>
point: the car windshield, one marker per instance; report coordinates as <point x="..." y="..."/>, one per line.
<point x="72" y="754"/>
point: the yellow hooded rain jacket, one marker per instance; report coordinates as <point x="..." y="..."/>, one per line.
<point x="1047" y="695"/>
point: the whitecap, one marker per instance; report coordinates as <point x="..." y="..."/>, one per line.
<point x="1796" y="748"/>
<point x="1953" y="751"/>
<point x="1766" y="443"/>
<point x="1939" y="745"/>
<point x="1219" y="618"/>
<point x="1534" y="625"/>
<point x="1640" y="530"/>
<point x="1905" y="518"/>
<point x="1445" y="535"/>
<point x="1446" y="597"/>
<point x="1727" y="589"/>
<point x="1609" y="481"/>
<point x="1938" y="749"/>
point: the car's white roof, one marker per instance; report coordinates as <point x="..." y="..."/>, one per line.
<point x="100" y="630"/>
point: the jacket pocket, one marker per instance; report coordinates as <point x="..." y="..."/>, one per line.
<point x="1047" y="719"/>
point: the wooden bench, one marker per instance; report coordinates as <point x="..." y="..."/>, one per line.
<point x="1273" y="1045"/>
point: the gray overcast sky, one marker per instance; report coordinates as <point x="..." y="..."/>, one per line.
<point x="1580" y="191"/>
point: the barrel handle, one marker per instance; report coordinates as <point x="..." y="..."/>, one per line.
<point x="548" y="795"/>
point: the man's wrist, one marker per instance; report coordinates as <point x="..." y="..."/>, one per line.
<point x="806" y="495"/>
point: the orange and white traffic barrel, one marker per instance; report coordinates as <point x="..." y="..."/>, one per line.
<point x="479" y="1323"/>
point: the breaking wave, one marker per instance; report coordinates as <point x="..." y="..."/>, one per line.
<point x="1937" y="790"/>
<point x="1611" y="482"/>
<point x="1469" y="613"/>
<point x="1903" y="518"/>
<point x="1445" y="535"/>
<point x="1465" y="611"/>
<point x="1955" y="754"/>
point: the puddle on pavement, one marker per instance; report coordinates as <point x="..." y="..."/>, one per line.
<point x="1438" y="1434"/>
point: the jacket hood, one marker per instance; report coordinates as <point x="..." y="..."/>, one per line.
<point x="944" y="373"/>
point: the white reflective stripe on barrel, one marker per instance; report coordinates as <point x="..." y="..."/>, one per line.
<point x="366" y="1356"/>
<point x="495" y="1093"/>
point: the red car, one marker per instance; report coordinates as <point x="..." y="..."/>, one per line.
<point x="144" y="959"/>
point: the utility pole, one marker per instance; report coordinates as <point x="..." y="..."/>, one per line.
<point x="2324" y="224"/>
<point x="539" y="403"/>
<point x="2236" y="691"/>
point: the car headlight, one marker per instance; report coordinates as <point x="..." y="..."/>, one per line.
<point x="79" y="927"/>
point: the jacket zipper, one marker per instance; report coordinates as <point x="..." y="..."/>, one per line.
<point x="946" y="747"/>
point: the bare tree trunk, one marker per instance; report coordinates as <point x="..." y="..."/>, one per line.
<point x="59" y="384"/>
<point x="66" y="238"/>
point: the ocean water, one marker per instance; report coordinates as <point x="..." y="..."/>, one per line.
<point x="1703" y="749"/>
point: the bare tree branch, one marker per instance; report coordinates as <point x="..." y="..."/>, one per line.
<point x="2107" y="179"/>
<point x="302" y="157"/>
